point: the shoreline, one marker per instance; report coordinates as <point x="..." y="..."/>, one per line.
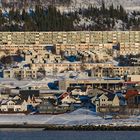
<point x="46" y="127"/>
<point x="94" y="128"/>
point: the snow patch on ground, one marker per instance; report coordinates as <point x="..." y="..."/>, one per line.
<point x="78" y="117"/>
<point x="129" y="5"/>
<point x="82" y="112"/>
<point x="86" y="22"/>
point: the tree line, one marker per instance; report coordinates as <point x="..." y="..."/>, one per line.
<point x="51" y="19"/>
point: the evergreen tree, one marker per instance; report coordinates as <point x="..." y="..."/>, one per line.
<point x="51" y="19"/>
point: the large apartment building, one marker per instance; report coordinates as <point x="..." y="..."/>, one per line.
<point x="69" y="37"/>
<point x="129" y="40"/>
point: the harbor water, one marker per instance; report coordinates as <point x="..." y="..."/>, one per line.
<point x="68" y="135"/>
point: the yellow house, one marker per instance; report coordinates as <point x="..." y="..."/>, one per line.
<point x="105" y="101"/>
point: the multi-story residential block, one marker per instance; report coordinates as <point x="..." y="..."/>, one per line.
<point x="83" y="47"/>
<point x="20" y="73"/>
<point x="115" y="71"/>
<point x="129" y="40"/>
<point x="59" y="67"/>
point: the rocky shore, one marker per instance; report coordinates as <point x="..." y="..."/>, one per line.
<point x="68" y="128"/>
<point x="94" y="128"/>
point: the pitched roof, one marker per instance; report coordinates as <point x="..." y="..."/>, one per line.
<point x="98" y="95"/>
<point x="19" y="102"/>
<point x="69" y="89"/>
<point x="4" y="102"/>
<point x="24" y="94"/>
<point x="110" y="96"/>
<point x="105" y="90"/>
<point x="131" y="93"/>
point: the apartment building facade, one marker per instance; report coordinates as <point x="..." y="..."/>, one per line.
<point x="93" y="82"/>
<point x="115" y="71"/>
<point x="20" y="73"/>
<point x="97" y="70"/>
<point x="129" y="40"/>
<point x="60" y="67"/>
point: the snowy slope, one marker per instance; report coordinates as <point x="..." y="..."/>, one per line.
<point x="129" y="5"/>
<point x="76" y="4"/>
<point x="78" y="117"/>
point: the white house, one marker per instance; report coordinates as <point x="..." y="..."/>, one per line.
<point x="16" y="106"/>
<point x="7" y="105"/>
<point x="69" y="99"/>
<point x="24" y="105"/>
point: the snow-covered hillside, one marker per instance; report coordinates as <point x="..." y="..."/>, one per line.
<point x="67" y="5"/>
<point x="129" y="5"/>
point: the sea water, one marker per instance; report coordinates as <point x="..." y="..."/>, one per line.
<point x="68" y="135"/>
